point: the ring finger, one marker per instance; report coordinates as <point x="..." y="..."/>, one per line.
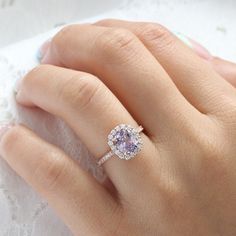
<point x="91" y="110"/>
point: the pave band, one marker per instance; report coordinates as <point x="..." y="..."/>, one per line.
<point x="124" y="142"/>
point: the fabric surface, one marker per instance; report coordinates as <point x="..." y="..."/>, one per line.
<point x="22" y="211"/>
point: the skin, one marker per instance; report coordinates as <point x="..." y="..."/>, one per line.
<point x="98" y="76"/>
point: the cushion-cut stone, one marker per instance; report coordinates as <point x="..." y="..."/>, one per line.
<point x="126" y="141"/>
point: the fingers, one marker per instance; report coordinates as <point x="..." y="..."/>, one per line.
<point x="90" y="109"/>
<point x="207" y="92"/>
<point x="131" y="72"/>
<point x="225" y="68"/>
<point x="70" y="190"/>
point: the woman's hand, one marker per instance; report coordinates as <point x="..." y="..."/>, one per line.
<point x="183" y="182"/>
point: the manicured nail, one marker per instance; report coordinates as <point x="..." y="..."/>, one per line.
<point x="43" y="50"/>
<point x="184" y="39"/>
<point x="198" y="48"/>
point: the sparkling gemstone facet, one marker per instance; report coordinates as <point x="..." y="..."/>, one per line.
<point x="125" y="141"/>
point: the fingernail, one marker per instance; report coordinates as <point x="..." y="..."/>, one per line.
<point x="198" y="48"/>
<point x="184" y="39"/>
<point x="43" y="50"/>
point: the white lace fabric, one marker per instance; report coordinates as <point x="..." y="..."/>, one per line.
<point x="22" y="211"/>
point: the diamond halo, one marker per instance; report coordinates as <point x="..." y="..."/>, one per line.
<point x="125" y="141"/>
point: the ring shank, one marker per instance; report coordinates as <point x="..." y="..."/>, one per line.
<point x="105" y="158"/>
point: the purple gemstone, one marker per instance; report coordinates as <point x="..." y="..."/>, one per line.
<point x="126" y="141"/>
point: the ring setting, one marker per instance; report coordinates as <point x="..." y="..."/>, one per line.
<point x="124" y="141"/>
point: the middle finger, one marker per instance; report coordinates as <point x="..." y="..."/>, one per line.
<point x="126" y="66"/>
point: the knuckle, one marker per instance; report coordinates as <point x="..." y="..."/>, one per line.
<point x="153" y="32"/>
<point x="210" y="151"/>
<point x="80" y="93"/>
<point x="58" y="43"/>
<point x="65" y="32"/>
<point x="11" y="138"/>
<point x="50" y="170"/>
<point x="115" y="40"/>
<point x="214" y="161"/>
<point x="227" y="114"/>
<point x="29" y="78"/>
<point x="39" y="68"/>
<point x="176" y="196"/>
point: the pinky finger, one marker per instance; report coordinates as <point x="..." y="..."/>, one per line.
<point x="77" y="197"/>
